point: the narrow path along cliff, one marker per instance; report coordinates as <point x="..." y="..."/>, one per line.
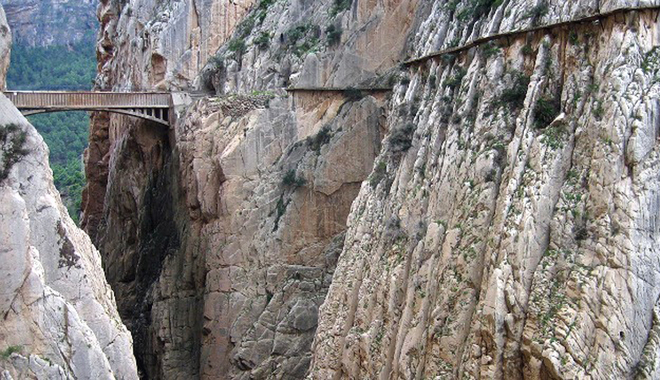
<point x="448" y="189"/>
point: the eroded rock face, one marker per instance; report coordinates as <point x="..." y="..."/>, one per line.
<point x="49" y="22"/>
<point x="5" y="48"/>
<point x="59" y="318"/>
<point x="509" y="229"/>
<point x="500" y="234"/>
<point x="245" y="253"/>
<point x="154" y="44"/>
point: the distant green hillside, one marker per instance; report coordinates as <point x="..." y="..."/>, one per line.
<point x="59" y="68"/>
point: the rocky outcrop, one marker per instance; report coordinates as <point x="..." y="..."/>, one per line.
<point x="59" y="314"/>
<point x="508" y="229"/>
<point x="163" y="45"/>
<point x="59" y="318"/>
<point x="50" y="22"/>
<point x="503" y="229"/>
<point x="5" y="48"/>
<point x="202" y="295"/>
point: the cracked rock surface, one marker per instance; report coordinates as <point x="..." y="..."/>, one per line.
<point x="59" y="318"/>
<point x="509" y="230"/>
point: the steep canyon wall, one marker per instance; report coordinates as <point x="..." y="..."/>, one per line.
<point x="494" y="217"/>
<point x="59" y="318"/>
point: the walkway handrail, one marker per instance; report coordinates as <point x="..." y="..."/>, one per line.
<point x="497" y="36"/>
<point x="88" y="99"/>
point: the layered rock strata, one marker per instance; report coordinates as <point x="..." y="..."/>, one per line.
<point x="509" y="227"/>
<point x="490" y="239"/>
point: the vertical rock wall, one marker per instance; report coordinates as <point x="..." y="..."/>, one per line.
<point x="5" y="48"/>
<point x="491" y="239"/>
<point x="59" y="318"/>
<point x="508" y="230"/>
<point x="260" y="185"/>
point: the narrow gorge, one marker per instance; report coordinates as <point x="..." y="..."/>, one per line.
<point x="354" y="189"/>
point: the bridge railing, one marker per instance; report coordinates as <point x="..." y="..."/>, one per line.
<point x="90" y="100"/>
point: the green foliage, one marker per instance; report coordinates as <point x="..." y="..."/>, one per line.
<point x="237" y="46"/>
<point x="340" y="6"/>
<point x="490" y="49"/>
<point x="433" y="81"/>
<point x="333" y="34"/>
<point x="546" y="111"/>
<point x="52" y="68"/>
<point x="59" y="68"/>
<point x="538" y="12"/>
<point x="6" y="353"/>
<point x="573" y="38"/>
<point x="401" y="138"/>
<point x="12" y="139"/>
<point x="515" y="96"/>
<point x="296" y="33"/>
<point x="475" y="8"/>
<point x="263" y="40"/>
<point x="321" y="138"/>
<point x="554" y="136"/>
<point x="598" y="110"/>
<point x="456" y="80"/>
<point x="380" y="171"/>
<point x="303" y="39"/>
<point x="353" y="94"/>
<point x="291" y="179"/>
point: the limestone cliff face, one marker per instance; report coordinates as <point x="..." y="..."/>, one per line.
<point x="50" y="22"/>
<point x="59" y="319"/>
<point x="5" y="48"/>
<point x="509" y="228"/>
<point x="504" y="228"/>
<point x="226" y="280"/>
<point x="163" y="45"/>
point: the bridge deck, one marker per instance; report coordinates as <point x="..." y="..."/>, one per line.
<point x="87" y="100"/>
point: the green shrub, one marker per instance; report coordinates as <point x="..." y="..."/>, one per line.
<point x="353" y="94"/>
<point x="546" y="111"/>
<point x="12" y="140"/>
<point x="263" y="41"/>
<point x="490" y="49"/>
<point x="538" y="12"/>
<point x="291" y="179"/>
<point x="340" y="6"/>
<point x="333" y="34"/>
<point x="401" y="138"/>
<point x="433" y="81"/>
<point x="554" y="136"/>
<point x="296" y="33"/>
<point x="456" y="80"/>
<point x="10" y="350"/>
<point x="515" y="96"/>
<point x="237" y="46"/>
<point x="321" y="138"/>
<point x="527" y="50"/>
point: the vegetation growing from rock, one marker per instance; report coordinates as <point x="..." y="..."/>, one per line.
<point x="57" y="68"/>
<point x="514" y="97"/>
<point x="333" y="34"/>
<point x="401" y="138"/>
<point x="12" y="140"/>
<point x="545" y="111"/>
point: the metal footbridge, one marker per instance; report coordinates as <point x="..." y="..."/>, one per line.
<point x="153" y="106"/>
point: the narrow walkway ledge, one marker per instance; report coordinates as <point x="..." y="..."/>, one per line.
<point x="338" y="89"/>
<point x="515" y="33"/>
